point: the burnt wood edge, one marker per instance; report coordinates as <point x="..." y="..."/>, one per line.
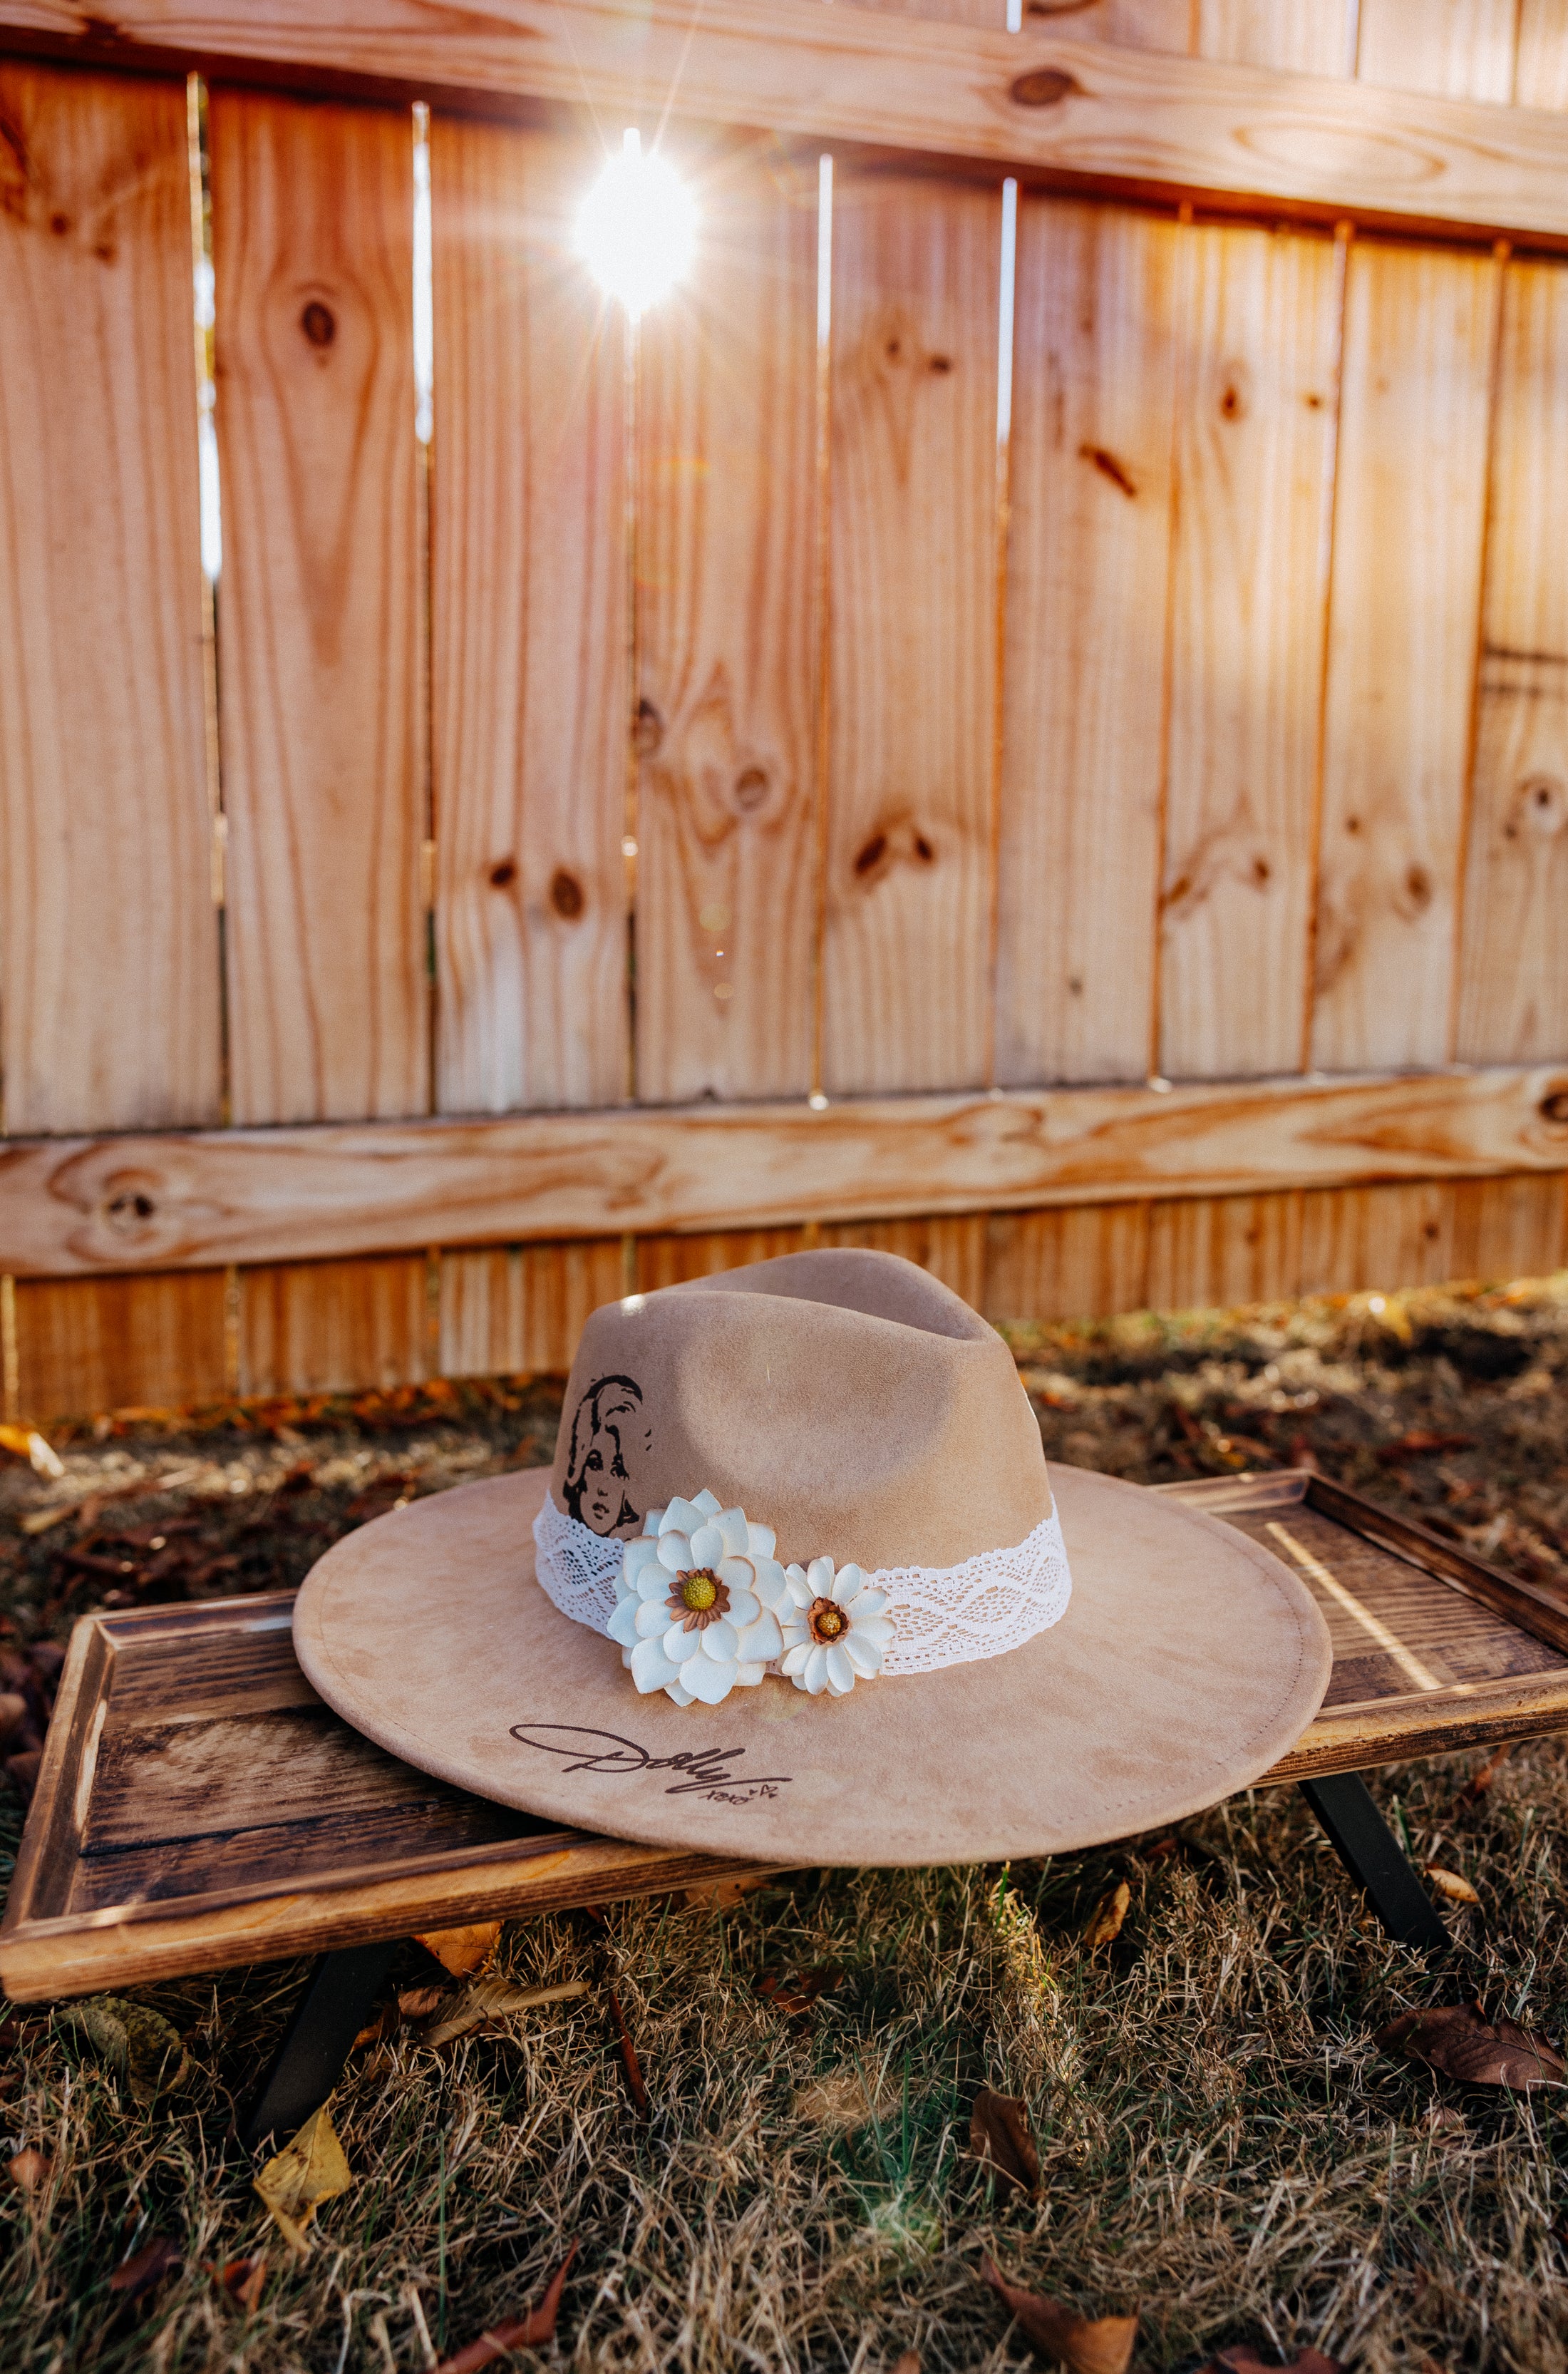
<point x="51" y="1833"/>
<point x="45" y="1961"/>
<point x="1412" y="1734"/>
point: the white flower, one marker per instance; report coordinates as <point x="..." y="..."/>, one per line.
<point x="697" y="1595"/>
<point x="834" y="1632"/>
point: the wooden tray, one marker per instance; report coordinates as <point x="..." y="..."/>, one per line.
<point x="199" y="1806"/>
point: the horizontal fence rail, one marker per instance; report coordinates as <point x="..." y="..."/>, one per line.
<point x="1042" y="105"/>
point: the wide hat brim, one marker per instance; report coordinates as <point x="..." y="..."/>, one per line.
<point x="1189" y="1662"/>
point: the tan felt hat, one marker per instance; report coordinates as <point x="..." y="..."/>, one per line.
<point x="807" y="1504"/>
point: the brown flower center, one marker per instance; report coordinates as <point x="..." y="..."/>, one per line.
<point x="699" y="1590"/>
<point x="827" y="1621"/>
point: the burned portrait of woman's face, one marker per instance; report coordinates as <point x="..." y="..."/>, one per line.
<point x="608" y="1430"/>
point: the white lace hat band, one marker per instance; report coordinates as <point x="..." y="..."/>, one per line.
<point x="940" y="1616"/>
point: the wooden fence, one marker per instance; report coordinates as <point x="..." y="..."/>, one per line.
<point x="1023" y="716"/>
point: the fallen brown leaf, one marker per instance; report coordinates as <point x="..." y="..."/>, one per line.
<point x="1421" y="1443"/>
<point x="1450" y="1883"/>
<point x="908" y="2364"/>
<point x="1084" y="2344"/>
<point x="628" y="2055"/>
<point x="1482" y="1780"/>
<point x="530" y="2331"/>
<point x="306" y="2173"/>
<point x="462" y="1951"/>
<point x="30" y="2168"/>
<point x="1459" y="2040"/>
<point x="151" y="2264"/>
<point x="486" y="1999"/>
<point x="801" y="1991"/>
<point x="419" y="2003"/>
<point x="1104" y="1922"/>
<point x="22" y="1771"/>
<point x="243" y="2279"/>
<point x="999" y="2138"/>
<point x="15" y="1715"/>
<point x="1242" y="2358"/>
<point x="723" y="1894"/>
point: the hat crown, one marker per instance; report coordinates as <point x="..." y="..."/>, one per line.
<point x="842" y="1397"/>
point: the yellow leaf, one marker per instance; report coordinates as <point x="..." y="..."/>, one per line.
<point x="1449" y="1884"/>
<point x="1104" y="1922"/>
<point x="460" y="1951"/>
<point x="28" y="1443"/>
<point x="309" y="2170"/>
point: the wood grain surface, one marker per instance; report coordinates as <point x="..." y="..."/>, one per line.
<point x="1256" y="411"/>
<point x="309" y="1327"/>
<point x="912" y="671"/>
<point x="726" y="890"/>
<point x="529" y="680"/>
<point x="74" y="1207"/>
<point x="1419" y="337"/>
<point x="198" y="1806"/>
<point x="1315" y="37"/>
<point x="109" y="976"/>
<point x="1087" y="590"/>
<point x="1125" y="116"/>
<point x="1514" y="946"/>
<point x="1540" y="68"/>
<point x="320" y="684"/>
<point x="513" y="1309"/>
<point x="1458" y="49"/>
<point x="117" y="1343"/>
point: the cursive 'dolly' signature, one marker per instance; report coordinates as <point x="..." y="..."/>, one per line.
<point x="706" y="1770"/>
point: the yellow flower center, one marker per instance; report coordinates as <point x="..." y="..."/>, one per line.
<point x="830" y="1623"/>
<point x="699" y="1590"/>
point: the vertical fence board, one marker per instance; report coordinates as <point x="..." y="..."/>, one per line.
<point x="913" y="663"/>
<point x="315" y="1327"/>
<point x="1298" y="36"/>
<point x="108" y="980"/>
<point x="1407" y="532"/>
<point x="91" y="1344"/>
<point x="1540" y="70"/>
<point x="321" y="674"/>
<point x="1086" y="1263"/>
<point x="1514" y="953"/>
<point x="951" y="1248"/>
<point x="727" y="833"/>
<point x="669" y="1261"/>
<point x="1510" y="1227"/>
<point x="1218" y="1251"/>
<point x="1254" y="466"/>
<point x="1088" y="562"/>
<point x="529" y="683"/>
<point x="1130" y="24"/>
<point x="1356" y="1237"/>
<point x="1457" y="49"/>
<point x="520" y="1309"/>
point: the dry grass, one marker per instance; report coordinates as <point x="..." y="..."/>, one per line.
<point x="1223" y="2145"/>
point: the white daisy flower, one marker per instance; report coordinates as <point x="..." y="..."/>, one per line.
<point x="700" y="1596"/>
<point x="834" y="1630"/>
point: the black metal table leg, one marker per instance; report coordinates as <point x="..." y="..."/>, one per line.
<point x="337" y="2000"/>
<point x="1373" y="1856"/>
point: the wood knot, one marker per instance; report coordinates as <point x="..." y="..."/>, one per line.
<point x="750" y="789"/>
<point x="924" y="850"/>
<point x="1553" y="1108"/>
<point x="649" y="731"/>
<point x="60" y="224"/>
<point x="1044" y="86"/>
<point x="870" y="857"/>
<point x="566" y="895"/>
<point x="318" y="322"/>
<point x="1230" y="404"/>
<point x="503" y="873"/>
